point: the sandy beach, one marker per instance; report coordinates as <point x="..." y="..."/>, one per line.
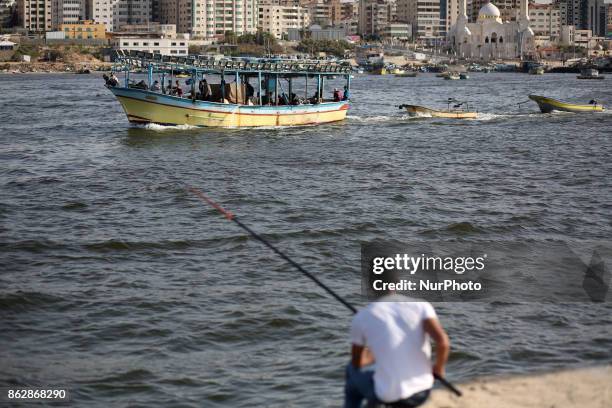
<point x="584" y="388"/>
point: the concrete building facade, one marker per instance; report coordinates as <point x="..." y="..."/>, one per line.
<point x="116" y="13"/>
<point x="277" y="19"/>
<point x="163" y="46"/>
<point x="7" y="9"/>
<point x="425" y="18"/>
<point x="35" y="15"/>
<point x="86" y="29"/>
<point x="210" y="18"/>
<point x="545" y="21"/>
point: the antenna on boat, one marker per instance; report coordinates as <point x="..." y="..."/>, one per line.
<point x="232" y="217"/>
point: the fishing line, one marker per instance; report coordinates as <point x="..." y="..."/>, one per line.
<point x="232" y="217"/>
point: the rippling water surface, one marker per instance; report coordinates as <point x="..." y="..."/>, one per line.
<point x="119" y="284"/>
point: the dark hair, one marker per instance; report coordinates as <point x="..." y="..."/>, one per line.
<point x="388" y="276"/>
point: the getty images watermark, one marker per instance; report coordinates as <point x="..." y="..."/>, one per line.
<point x="488" y="271"/>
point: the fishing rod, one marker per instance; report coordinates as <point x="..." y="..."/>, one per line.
<point x="232" y="217"/>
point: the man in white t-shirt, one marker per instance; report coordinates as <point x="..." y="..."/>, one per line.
<point x="394" y="333"/>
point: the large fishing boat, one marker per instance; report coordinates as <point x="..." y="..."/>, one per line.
<point x="221" y="95"/>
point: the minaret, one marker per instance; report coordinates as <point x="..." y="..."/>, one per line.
<point x="462" y="18"/>
<point x="524" y="15"/>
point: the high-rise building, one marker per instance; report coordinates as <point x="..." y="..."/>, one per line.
<point x="374" y="15"/>
<point x="545" y="21"/>
<point x="449" y="11"/>
<point x="596" y="17"/>
<point x="67" y="12"/>
<point x="116" y="13"/>
<point x="7" y="9"/>
<point x="425" y="16"/>
<point x="277" y="18"/>
<point x="572" y="12"/>
<point x="210" y="18"/>
<point x="35" y="16"/>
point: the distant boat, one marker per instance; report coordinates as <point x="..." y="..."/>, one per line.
<point x="452" y="76"/>
<point x="416" y="110"/>
<point x="590" y="73"/>
<point x="464" y="75"/>
<point x="547" y="105"/>
<point x="537" y="70"/>
<point x="380" y="71"/>
<point x="407" y="74"/>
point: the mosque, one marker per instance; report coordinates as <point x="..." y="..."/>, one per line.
<point x="490" y="37"/>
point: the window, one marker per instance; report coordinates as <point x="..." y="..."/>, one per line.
<point x="156" y="44"/>
<point x="125" y="44"/>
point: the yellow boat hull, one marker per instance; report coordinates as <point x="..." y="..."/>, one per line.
<point x="547" y="105"/>
<point x="415" y="110"/>
<point x="142" y="106"/>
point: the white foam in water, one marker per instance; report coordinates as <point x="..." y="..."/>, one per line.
<point x="161" y="128"/>
<point x="369" y="119"/>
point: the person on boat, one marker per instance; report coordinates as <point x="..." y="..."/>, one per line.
<point x="222" y="87"/>
<point x="346" y="95"/>
<point x="178" y="89"/>
<point x="392" y="334"/>
<point x="156" y="87"/>
<point x="315" y="98"/>
<point x="337" y="97"/>
<point x="250" y="91"/>
<point x="110" y="79"/>
<point x="205" y="91"/>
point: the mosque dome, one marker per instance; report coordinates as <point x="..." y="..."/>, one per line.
<point x="489" y="11"/>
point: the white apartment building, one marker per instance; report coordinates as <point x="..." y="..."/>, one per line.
<point x="210" y="18"/>
<point x="277" y="19"/>
<point x="116" y="13"/>
<point x="35" y="15"/>
<point x="545" y="21"/>
<point x="425" y="18"/>
<point x="163" y="46"/>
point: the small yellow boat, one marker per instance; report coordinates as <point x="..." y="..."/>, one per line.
<point x="416" y="110"/>
<point x="548" y="105"/>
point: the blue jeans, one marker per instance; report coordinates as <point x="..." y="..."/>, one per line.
<point x="359" y="386"/>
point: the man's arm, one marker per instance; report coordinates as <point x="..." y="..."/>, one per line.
<point x="361" y="356"/>
<point x="439" y="336"/>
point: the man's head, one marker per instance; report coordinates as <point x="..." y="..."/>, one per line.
<point x="382" y="281"/>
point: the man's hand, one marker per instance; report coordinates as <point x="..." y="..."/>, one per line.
<point x="361" y="356"/>
<point x="439" y="370"/>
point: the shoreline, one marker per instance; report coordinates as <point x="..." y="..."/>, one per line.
<point x="589" y="387"/>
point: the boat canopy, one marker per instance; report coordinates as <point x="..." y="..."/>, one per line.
<point x="141" y="59"/>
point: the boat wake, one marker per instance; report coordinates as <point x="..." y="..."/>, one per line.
<point x="161" y="128"/>
<point x="372" y="119"/>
